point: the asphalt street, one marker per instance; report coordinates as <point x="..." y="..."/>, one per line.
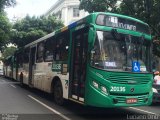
<point x="23" y="103"/>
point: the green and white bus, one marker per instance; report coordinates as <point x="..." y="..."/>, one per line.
<point x="102" y="60"/>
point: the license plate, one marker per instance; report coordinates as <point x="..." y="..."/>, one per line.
<point x="131" y="100"/>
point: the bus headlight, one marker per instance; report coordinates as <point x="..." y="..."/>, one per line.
<point x="95" y="84"/>
<point x="154" y="90"/>
<point x="104" y="90"/>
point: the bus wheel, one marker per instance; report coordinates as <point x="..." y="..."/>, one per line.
<point x="58" y="93"/>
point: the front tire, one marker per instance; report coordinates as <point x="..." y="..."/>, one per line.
<point x="58" y="93"/>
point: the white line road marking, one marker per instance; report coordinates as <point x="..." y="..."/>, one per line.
<point x="143" y="110"/>
<point x="13" y="86"/>
<point x="51" y="109"/>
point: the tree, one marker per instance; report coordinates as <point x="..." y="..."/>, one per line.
<point x="5" y="25"/>
<point x="31" y="28"/>
<point x="98" y="5"/>
<point x="5" y="28"/>
<point x="6" y="3"/>
<point x="8" y="51"/>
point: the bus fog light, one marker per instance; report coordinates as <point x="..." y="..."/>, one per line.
<point x="104" y="90"/>
<point x="95" y="84"/>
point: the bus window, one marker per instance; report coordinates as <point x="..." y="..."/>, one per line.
<point x="40" y="51"/>
<point x="19" y="59"/>
<point x="62" y="48"/>
<point x="26" y="56"/>
<point x="49" y="48"/>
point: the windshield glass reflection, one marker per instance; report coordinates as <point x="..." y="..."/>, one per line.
<point x="118" y="52"/>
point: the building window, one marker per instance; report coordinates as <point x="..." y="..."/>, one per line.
<point x="75" y="12"/>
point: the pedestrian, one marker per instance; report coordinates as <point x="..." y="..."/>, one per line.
<point x="157" y="78"/>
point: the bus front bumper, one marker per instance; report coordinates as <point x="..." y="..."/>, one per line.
<point x="98" y="99"/>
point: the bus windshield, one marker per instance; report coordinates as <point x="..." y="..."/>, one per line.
<point x="118" y="52"/>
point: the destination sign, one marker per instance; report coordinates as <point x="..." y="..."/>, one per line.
<point x="124" y="26"/>
<point x="123" y="23"/>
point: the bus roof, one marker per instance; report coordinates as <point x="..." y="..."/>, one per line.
<point x="79" y="22"/>
<point x="122" y="16"/>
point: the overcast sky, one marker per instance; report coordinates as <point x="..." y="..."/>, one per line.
<point x="31" y="7"/>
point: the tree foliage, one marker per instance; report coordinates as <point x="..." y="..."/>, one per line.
<point x="5" y="28"/>
<point x="98" y="5"/>
<point x="31" y="28"/>
<point x="8" y="51"/>
<point x="5" y="25"/>
<point x="6" y="3"/>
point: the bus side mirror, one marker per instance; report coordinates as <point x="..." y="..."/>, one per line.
<point x="91" y="36"/>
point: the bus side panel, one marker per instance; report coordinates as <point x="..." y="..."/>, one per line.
<point x="14" y="73"/>
<point x="8" y="71"/>
<point x="25" y="73"/>
<point x="65" y="83"/>
<point x="43" y="77"/>
<point x="40" y="76"/>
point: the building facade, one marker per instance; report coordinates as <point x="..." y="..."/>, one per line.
<point x="67" y="10"/>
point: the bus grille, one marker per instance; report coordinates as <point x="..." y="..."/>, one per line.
<point x="129" y="79"/>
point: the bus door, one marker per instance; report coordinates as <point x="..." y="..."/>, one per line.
<point x="78" y="64"/>
<point x="31" y="65"/>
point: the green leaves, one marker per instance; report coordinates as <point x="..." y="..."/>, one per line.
<point x="5" y="27"/>
<point x="8" y="51"/>
<point x="98" y="5"/>
<point x="6" y="3"/>
<point x="31" y="28"/>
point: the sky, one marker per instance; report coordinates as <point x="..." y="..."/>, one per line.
<point x="30" y="7"/>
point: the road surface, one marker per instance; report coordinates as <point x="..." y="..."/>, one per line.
<point x="23" y="103"/>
